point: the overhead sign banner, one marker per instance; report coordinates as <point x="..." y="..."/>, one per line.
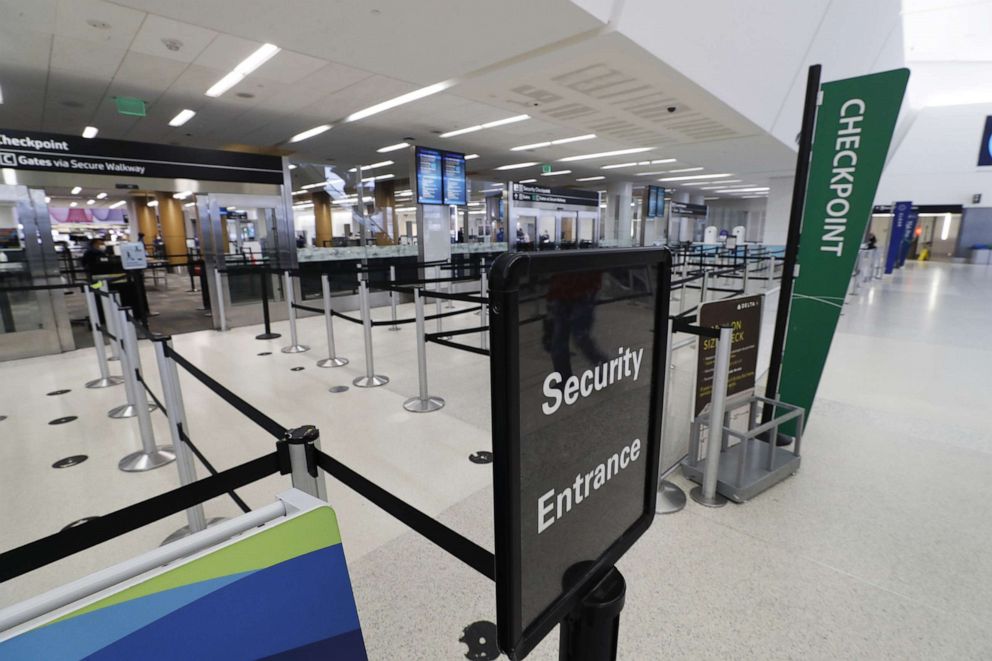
<point x="854" y="126"/>
<point x="908" y="233"/>
<point x="533" y="193"/>
<point x="900" y="218"/>
<point x="576" y="400"/>
<point x="52" y="152"/>
<point x="985" y="150"/>
<point x="455" y="186"/>
<point x="744" y="316"/>
<point x="687" y="209"/>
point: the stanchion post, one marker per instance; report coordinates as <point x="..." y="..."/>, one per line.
<point x="671" y="498"/>
<point x="196" y="519"/>
<point x="392" y="299"/>
<point x="302" y="444"/>
<point x="703" y="286"/>
<point x="294" y="345"/>
<point x="746" y="263"/>
<point x="423" y="403"/>
<point x="268" y="334"/>
<point x="110" y="320"/>
<point x="591" y="631"/>
<point x="706" y="494"/>
<point x="150" y="455"/>
<point x="371" y="379"/>
<point x="218" y="284"/>
<point x="105" y="380"/>
<point x="129" y="408"/>
<point x="332" y="359"/>
<point x="484" y="311"/>
<point x="437" y="301"/>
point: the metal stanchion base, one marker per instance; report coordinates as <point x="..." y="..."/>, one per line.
<point x="417" y="405"/>
<point x="371" y="381"/>
<point x="394" y="328"/>
<point x="112" y="359"/>
<point x="105" y="383"/>
<point x="127" y="411"/>
<point x="186" y="532"/>
<point x="267" y="336"/>
<point x="140" y="461"/>
<point x="697" y="495"/>
<point x="671" y="498"/>
<point x="295" y="348"/>
<point x="332" y="362"/>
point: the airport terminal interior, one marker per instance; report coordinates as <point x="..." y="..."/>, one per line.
<point x="579" y="330"/>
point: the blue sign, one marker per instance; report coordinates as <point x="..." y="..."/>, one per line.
<point x="907" y="241"/>
<point x="660" y="191"/>
<point x="985" y="151"/>
<point x="430" y="177"/>
<point x="455" y="188"/>
<point x="900" y="218"/>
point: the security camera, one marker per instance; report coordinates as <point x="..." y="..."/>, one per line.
<point x="672" y="108"/>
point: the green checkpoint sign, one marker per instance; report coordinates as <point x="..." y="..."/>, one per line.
<point x="854" y="126"/>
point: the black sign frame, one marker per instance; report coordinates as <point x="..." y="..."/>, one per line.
<point x="534" y="192"/>
<point x="516" y="638"/>
<point x="985" y="149"/>
<point x="456" y="156"/>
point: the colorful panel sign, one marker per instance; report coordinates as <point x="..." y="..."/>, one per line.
<point x="62" y="215"/>
<point x="854" y="127"/>
<point x="455" y="186"/>
<point x="430" y="176"/>
<point x="280" y="592"/>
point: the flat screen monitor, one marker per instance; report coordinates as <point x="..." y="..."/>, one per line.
<point x="430" y="176"/>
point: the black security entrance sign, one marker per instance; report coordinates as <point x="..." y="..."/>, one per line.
<point x="577" y="345"/>
<point x="52" y="152"/>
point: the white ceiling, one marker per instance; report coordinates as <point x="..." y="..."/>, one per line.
<point x="62" y="63"/>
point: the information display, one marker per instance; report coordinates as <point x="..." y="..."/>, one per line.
<point x="660" y="197"/>
<point x="744" y="316"/>
<point x="652" y="202"/>
<point x="133" y="256"/>
<point x="534" y="193"/>
<point x="430" y="176"/>
<point x="455" y="187"/>
<point x="576" y="395"/>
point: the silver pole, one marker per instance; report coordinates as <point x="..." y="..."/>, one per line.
<point x="150" y="455"/>
<point x="392" y="299"/>
<point x="423" y="403"/>
<point x="703" y="286"/>
<point x="437" y="301"/>
<point x="294" y="345"/>
<point x="302" y="441"/>
<point x="746" y="264"/>
<point x="771" y="273"/>
<point x="706" y="494"/>
<point x="195" y="517"/>
<point x="110" y="321"/>
<point x="857" y="275"/>
<point x="219" y="289"/>
<point x="332" y="360"/>
<point x="671" y="498"/>
<point x="105" y="379"/>
<point x="371" y="379"/>
<point x="484" y="311"/>
<point x="129" y="408"/>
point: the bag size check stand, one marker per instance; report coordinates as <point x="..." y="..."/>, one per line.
<point x="577" y="379"/>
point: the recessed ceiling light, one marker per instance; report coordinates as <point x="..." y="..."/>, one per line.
<point x="555" y="173"/>
<point x="591" y="178"/>
<point x="184" y="116"/>
<point x="292" y="166"/>
<point x="309" y="133"/>
<point x="10" y="176"/>
<point x="526" y="181"/>
<point x="469" y="157"/>
<point x="48" y="200"/>
<point x="560" y="141"/>
<point x="690" y="177"/>
<point x="1" y="94"/>
<point x="487" y="125"/>
<point x="245" y="67"/>
<point x="475" y="204"/>
<point x="154" y="203"/>
<point x="389" y="148"/>
<point x="514" y="166"/>
<point x="88" y="202"/>
<point x="319" y="184"/>
<point x="76" y="190"/>
<point x="190" y="204"/>
<point x="758" y="189"/>
<point x="115" y="205"/>
<point x="604" y="154"/>
<point x="73" y="204"/>
<point x="101" y="196"/>
<point x="182" y="195"/>
<point x="399" y="101"/>
<point x="90" y="132"/>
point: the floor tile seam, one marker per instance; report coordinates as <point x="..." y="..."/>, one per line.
<point x="795" y="553"/>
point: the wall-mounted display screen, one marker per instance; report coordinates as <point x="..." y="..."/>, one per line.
<point x="430" y="176"/>
<point x="652" y="202"/>
<point x="455" y="188"/>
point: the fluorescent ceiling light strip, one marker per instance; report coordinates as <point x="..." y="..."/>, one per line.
<point x="686" y="170"/>
<point x="648" y="174"/>
<point x="101" y="196"/>
<point x="560" y="141"/>
<point x="619" y="165"/>
<point x="76" y="190"/>
<point x="591" y="178"/>
<point x="380" y="164"/>
<point x="691" y="177"/>
<point x="469" y="157"/>
<point x="292" y="166"/>
<point x="90" y="132"/>
<point x="73" y="204"/>
<point x="399" y="101"/>
<point x="300" y="192"/>
<point x="319" y="184"/>
<point x="115" y="205"/>
<point x="262" y="55"/>
<point x="379" y="178"/>
<point x="309" y="133"/>
<point x="487" y="125"/>
<point x="89" y="202"/>
<point x="526" y="181"/>
<point x="389" y="148"/>
<point x="187" y="205"/>
<point x="1" y="95"/>
<point x="605" y="154"/>
<point x="514" y="166"/>
<point x="555" y="173"/>
<point x="154" y="203"/>
<point x="183" y="117"/>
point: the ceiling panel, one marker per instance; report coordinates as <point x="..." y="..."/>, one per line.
<point x="36" y="15"/>
<point x="24" y="49"/>
<point x="153" y="75"/>
<point x="95" y="60"/>
<point x="115" y="25"/>
<point x="289" y="67"/>
<point x="157" y="34"/>
<point x="226" y="51"/>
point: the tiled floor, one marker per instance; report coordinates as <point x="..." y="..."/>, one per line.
<point x="877" y="549"/>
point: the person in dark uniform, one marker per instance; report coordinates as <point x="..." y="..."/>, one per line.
<point x="94" y="257"/>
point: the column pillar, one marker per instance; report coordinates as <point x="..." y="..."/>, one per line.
<point x="323" y="226"/>
<point x="777" y="211"/>
<point x="385" y="202"/>
<point x="619" y="214"/>
<point x="145" y="221"/>
<point x="170" y="212"/>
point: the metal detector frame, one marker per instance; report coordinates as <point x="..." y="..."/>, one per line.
<point x="516" y="638"/>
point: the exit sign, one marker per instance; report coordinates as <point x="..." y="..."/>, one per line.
<point x="545" y="168"/>
<point x="127" y="105"/>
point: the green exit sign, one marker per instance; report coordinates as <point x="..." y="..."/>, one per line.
<point x="545" y="168"/>
<point x="127" y="105"/>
